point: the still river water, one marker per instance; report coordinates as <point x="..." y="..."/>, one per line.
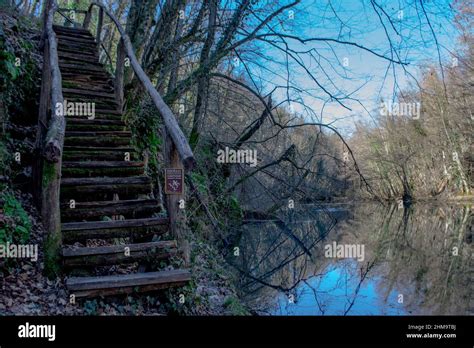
<point x="416" y="260"/>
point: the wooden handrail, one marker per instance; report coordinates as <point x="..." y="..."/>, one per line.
<point x="179" y="139"/>
<point x="99" y="25"/>
<point x="55" y="136"/>
<point x="60" y="11"/>
<point x="69" y="9"/>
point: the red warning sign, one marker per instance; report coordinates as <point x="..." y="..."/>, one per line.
<point x="174" y="181"/>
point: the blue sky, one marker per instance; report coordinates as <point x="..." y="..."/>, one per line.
<point x="351" y="70"/>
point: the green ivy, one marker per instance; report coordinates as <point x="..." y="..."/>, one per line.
<point x="17" y="226"/>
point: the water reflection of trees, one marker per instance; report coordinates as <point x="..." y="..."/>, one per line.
<point x="412" y="251"/>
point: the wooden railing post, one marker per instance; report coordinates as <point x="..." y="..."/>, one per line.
<point x="52" y="152"/>
<point x="44" y="106"/>
<point x="87" y="18"/>
<point x="175" y="213"/>
<point x="99" y="25"/>
<point x="119" y="74"/>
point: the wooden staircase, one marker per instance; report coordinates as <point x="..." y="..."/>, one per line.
<point x="104" y="178"/>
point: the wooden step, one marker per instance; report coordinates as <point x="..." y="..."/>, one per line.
<point x="74" y="74"/>
<point x="100" y="77"/>
<point x="97" y="142"/>
<point x="86" y="127"/>
<point x="82" y="68"/>
<point x="77" y="58"/>
<point x="96" y="86"/>
<point x="97" y="139"/>
<point x="99" y="103"/>
<point x="118" y="254"/>
<point x="100" y="181"/>
<point x="82" y="124"/>
<point x="89" y="41"/>
<point x="135" y="228"/>
<point x="120" y="134"/>
<point x="71" y="30"/>
<point x="127" y="283"/>
<point x="76" y="51"/>
<point x="92" y="148"/>
<point x="94" y="122"/>
<point x="98" y="188"/>
<point x="78" y="46"/>
<point x="102" y="168"/>
<point x="86" y="153"/>
<point x="81" y="92"/>
<point x="134" y="208"/>
<point x="85" y="36"/>
<point x="74" y="34"/>
<point x="107" y="114"/>
<point x="66" y="49"/>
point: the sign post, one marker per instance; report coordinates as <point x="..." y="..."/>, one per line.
<point x="174" y="181"/>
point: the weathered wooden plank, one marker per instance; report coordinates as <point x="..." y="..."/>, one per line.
<point x="121" y="134"/>
<point x="117" y="249"/>
<point x="68" y="49"/>
<point x="104" y="225"/>
<point x="74" y="34"/>
<point x="75" y="58"/>
<point x="118" y="254"/>
<point x="94" y="122"/>
<point x="110" y="154"/>
<point x="70" y="30"/>
<point x="84" y="68"/>
<point x="82" y="172"/>
<point x="128" y="280"/>
<point x="96" y="149"/>
<point x="81" y="127"/>
<point x="107" y="112"/>
<point x="91" y="210"/>
<point x="136" y="228"/>
<point x="97" y="141"/>
<point x="102" y="168"/>
<point x="128" y="290"/>
<point x="75" y="91"/>
<point x="102" y="164"/>
<point x="83" y="45"/>
<point x="105" y="181"/>
<point x="104" y="191"/>
<point x="83" y="40"/>
<point x="73" y="76"/>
